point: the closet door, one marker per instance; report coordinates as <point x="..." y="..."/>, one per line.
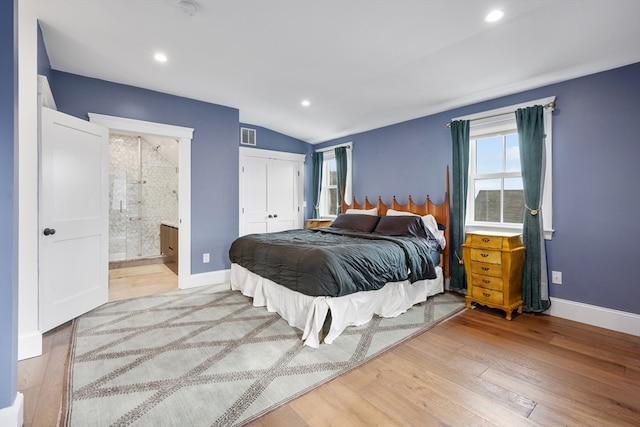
<point x="271" y="186"/>
<point x="282" y="195"/>
<point x="253" y="195"/>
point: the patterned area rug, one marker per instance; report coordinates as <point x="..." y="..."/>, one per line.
<point x="207" y="357"/>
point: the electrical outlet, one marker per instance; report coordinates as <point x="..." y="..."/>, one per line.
<point x="556" y="277"/>
<point x="205" y="258"/>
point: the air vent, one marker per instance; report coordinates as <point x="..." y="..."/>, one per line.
<point x="247" y="136"/>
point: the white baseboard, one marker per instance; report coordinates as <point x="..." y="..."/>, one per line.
<point x="616" y="320"/>
<point x="29" y="345"/>
<point x="204" y="279"/>
<point x="13" y="416"/>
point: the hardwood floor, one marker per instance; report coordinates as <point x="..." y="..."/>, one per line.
<point x="41" y="379"/>
<point x="475" y="369"/>
<point x="131" y="282"/>
<point x="479" y="369"/>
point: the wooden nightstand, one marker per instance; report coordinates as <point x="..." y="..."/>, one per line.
<point x="493" y="264"/>
<point x="314" y="223"/>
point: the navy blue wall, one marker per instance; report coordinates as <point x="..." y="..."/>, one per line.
<point x="8" y="205"/>
<point x="595" y="178"/>
<point x="596" y="195"/>
<point x="214" y="152"/>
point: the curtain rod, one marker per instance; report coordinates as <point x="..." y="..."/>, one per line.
<point x="347" y="145"/>
<point x="549" y="105"/>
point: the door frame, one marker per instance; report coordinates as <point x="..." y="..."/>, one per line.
<point x="184" y="136"/>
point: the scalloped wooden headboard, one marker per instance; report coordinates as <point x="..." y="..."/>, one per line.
<point x="440" y="212"/>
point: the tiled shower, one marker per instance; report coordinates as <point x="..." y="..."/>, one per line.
<point x="143" y="193"/>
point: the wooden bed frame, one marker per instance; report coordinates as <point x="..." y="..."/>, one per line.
<point x="440" y="212"/>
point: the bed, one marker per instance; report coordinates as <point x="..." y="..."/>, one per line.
<point x="376" y="259"/>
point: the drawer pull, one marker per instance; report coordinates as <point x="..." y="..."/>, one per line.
<point x="485" y="294"/>
<point x="486" y="281"/>
<point x="485" y="268"/>
<point x="486" y="240"/>
<point x="484" y="255"/>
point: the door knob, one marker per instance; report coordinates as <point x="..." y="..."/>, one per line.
<point x="270" y="216"/>
<point x="275" y="215"/>
<point x="49" y="231"/>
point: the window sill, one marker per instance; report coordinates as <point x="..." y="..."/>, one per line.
<point x="548" y="234"/>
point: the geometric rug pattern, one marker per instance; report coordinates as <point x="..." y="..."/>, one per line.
<point x="207" y="357"/>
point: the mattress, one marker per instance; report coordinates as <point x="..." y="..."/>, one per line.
<point x="335" y="262"/>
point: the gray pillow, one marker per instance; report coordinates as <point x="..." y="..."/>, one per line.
<point x="357" y="222"/>
<point x="411" y="226"/>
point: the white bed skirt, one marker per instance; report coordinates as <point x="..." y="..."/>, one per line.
<point x="308" y="313"/>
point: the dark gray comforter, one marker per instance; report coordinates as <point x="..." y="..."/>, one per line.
<point x="334" y="262"/>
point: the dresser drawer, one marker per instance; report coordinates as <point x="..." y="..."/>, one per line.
<point x="488" y="295"/>
<point x="488" y="282"/>
<point x="489" y="242"/>
<point x="492" y="257"/>
<point x="494" y="270"/>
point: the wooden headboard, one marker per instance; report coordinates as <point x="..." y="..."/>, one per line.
<point x="440" y="212"/>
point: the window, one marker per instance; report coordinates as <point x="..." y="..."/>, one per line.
<point x="329" y="192"/>
<point x="329" y="202"/>
<point x="495" y="195"/>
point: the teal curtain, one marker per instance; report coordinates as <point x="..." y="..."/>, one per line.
<point x="460" y="143"/>
<point x="341" y="168"/>
<point x="535" y="286"/>
<point x="317" y="182"/>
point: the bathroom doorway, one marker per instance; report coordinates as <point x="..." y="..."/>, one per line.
<point x="143" y="184"/>
<point x="152" y="138"/>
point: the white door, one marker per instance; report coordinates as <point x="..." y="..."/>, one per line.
<point x="253" y="197"/>
<point x="270" y="191"/>
<point x="73" y="219"/>
<point x="282" y="199"/>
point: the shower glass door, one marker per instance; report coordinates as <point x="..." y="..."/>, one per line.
<point x="143" y="173"/>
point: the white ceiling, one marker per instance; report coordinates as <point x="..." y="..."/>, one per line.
<point x="363" y="64"/>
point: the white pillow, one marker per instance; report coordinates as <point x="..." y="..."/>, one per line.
<point x="373" y="211"/>
<point x="429" y="222"/>
<point x="392" y="212"/>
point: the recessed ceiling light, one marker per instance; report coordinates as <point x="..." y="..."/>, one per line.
<point x="494" y="15"/>
<point x="305" y="103"/>
<point x="160" y="57"/>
